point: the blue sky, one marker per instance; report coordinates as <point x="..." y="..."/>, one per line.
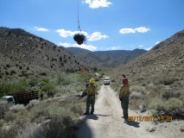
<point x="107" y="24"/>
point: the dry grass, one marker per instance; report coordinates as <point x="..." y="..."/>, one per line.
<point x="50" y="117"/>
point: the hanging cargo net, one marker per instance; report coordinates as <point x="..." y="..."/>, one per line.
<point x="79" y="37"/>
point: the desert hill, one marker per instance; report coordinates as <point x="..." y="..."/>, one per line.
<point x="23" y="54"/>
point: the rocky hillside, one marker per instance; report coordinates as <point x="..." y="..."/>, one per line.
<point x="165" y="55"/>
<point x="24" y="54"/>
<point x="105" y="59"/>
<point x="156" y="78"/>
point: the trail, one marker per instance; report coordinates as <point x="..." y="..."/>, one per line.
<point x="107" y="122"/>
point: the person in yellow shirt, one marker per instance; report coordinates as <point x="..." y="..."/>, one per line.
<point x="91" y="92"/>
<point x="124" y="98"/>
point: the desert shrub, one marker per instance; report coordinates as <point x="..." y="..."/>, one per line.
<point x="9" y="116"/>
<point x="18" y="107"/>
<point x="12" y="72"/>
<point x="6" y="72"/>
<point x="1" y="122"/>
<point x="172" y="93"/>
<point x="38" y="114"/>
<point x="4" y="88"/>
<point x="32" y="131"/>
<point x="8" y="65"/>
<point x="137" y="88"/>
<point x="33" y="82"/>
<point x="63" y="80"/>
<point x="19" y="86"/>
<point x="135" y="103"/>
<point x="76" y="109"/>
<point x="173" y="104"/>
<point x="155" y="91"/>
<point x="32" y="103"/>
<point x="168" y="80"/>
<point x="3" y="108"/>
<point x="140" y="78"/>
<point x="157" y="104"/>
<point x="60" y="126"/>
<point x="182" y="98"/>
<point x="43" y="73"/>
<point x="13" y="129"/>
<point x="170" y="105"/>
<point x="48" y="87"/>
<point x="136" y="96"/>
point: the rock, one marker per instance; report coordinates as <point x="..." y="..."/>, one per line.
<point x="142" y="108"/>
<point x="151" y="129"/>
<point x="182" y="129"/>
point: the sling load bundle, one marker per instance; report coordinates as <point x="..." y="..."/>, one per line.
<point x="79" y="37"/>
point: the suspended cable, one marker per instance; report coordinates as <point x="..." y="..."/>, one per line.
<point x="78" y="16"/>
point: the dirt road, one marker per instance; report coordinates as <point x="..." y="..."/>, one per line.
<point x="107" y="122"/>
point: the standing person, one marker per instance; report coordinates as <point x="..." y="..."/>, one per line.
<point x="91" y="92"/>
<point x="124" y="97"/>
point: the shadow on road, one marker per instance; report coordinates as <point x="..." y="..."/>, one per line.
<point x="94" y="117"/>
<point x="84" y="131"/>
<point x="133" y="123"/>
<point x="102" y="115"/>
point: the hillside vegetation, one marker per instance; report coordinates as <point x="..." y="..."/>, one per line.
<point x="30" y="63"/>
<point x="157" y="77"/>
<point x="24" y="54"/>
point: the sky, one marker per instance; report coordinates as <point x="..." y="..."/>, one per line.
<point x="107" y="24"/>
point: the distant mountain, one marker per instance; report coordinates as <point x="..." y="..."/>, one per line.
<point x="166" y="55"/>
<point x="24" y="54"/>
<point x="105" y="59"/>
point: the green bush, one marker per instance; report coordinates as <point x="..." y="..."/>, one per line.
<point x="48" y="87"/>
<point x="20" y="86"/>
<point x="33" y="82"/>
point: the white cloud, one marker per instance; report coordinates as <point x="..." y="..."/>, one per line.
<point x="140" y="46"/>
<point x="40" y="29"/>
<point x="97" y="3"/>
<point x="142" y="29"/>
<point x="127" y="30"/>
<point x="149" y="48"/>
<point x="65" y="33"/>
<point x="157" y="42"/>
<point x="84" y="46"/>
<point x="134" y="30"/>
<point x="115" y="48"/>
<point x="97" y="36"/>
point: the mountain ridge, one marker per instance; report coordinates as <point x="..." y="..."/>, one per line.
<point x="105" y="59"/>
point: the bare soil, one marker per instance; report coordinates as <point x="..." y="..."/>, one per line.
<point x="107" y="122"/>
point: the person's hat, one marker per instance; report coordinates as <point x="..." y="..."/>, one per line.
<point x="92" y="81"/>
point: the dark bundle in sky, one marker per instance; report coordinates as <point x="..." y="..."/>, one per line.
<point x="79" y="38"/>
